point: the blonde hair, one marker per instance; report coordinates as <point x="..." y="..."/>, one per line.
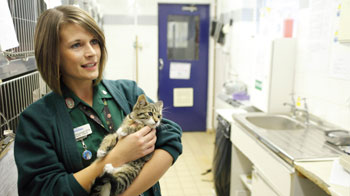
<point x="47" y="39"/>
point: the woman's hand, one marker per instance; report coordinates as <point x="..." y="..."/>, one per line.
<point x="129" y="148"/>
<point x="132" y="147"/>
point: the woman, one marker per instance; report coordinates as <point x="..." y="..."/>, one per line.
<point x="57" y="136"/>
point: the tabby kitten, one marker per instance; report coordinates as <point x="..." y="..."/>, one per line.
<point x="115" y="181"/>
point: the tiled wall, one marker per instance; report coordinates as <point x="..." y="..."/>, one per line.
<point x="327" y="96"/>
<point x="121" y="31"/>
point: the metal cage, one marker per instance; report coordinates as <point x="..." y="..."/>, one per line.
<point x="20" y="83"/>
<point x="16" y="95"/>
<point x="24" y="15"/>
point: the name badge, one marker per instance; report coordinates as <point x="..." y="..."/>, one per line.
<point x="82" y="131"/>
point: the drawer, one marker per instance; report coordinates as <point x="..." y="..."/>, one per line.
<point x="277" y="173"/>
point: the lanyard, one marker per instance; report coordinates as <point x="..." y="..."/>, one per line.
<point x="106" y="113"/>
<point x="90" y="114"/>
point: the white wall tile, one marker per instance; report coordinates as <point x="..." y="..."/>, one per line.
<point x="326" y="95"/>
<point x="120" y="40"/>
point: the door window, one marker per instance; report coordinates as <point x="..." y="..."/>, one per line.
<point x="183" y="37"/>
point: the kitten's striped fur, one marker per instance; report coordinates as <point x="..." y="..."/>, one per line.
<point x="115" y="181"/>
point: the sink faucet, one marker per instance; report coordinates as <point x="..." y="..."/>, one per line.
<point x="292" y="106"/>
<point x="294" y="109"/>
<point x="305" y="111"/>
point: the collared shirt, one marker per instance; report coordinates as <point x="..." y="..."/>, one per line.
<point x="79" y="118"/>
<point x="44" y="136"/>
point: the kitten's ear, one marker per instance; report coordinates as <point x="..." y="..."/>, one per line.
<point x="141" y="100"/>
<point x="159" y="104"/>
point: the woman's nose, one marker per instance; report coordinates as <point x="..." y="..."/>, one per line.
<point x="90" y="50"/>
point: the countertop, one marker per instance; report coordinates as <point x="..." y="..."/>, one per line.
<point x="227" y="113"/>
<point x="318" y="171"/>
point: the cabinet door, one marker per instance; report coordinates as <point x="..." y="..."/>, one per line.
<point x="260" y="187"/>
<point x="273" y="168"/>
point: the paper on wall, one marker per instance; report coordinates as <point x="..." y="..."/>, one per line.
<point x="344" y="29"/>
<point x="183" y="97"/>
<point x="180" y="70"/>
<point x="52" y="3"/>
<point x="340" y="61"/>
<point x="8" y="37"/>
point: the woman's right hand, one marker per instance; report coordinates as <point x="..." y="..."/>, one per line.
<point x="132" y="147"/>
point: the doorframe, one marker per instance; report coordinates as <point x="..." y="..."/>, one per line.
<point x="211" y="61"/>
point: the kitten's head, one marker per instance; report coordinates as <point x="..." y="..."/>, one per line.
<point x="149" y="114"/>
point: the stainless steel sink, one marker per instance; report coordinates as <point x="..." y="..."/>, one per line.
<point x="275" y="122"/>
<point x="289" y="138"/>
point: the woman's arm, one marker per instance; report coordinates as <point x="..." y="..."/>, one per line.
<point x="42" y="170"/>
<point x="168" y="145"/>
<point x="86" y="176"/>
<point x="41" y="163"/>
<point x="153" y="170"/>
<point x="142" y="143"/>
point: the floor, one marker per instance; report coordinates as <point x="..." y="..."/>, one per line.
<point x="188" y="176"/>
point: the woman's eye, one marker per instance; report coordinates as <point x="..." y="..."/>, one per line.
<point x="150" y="113"/>
<point x="76" y="45"/>
<point x="94" y="42"/>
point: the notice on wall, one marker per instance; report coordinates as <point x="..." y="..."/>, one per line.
<point x="52" y="3"/>
<point x="344" y="28"/>
<point x="180" y="70"/>
<point x="340" y="61"/>
<point x="8" y="37"/>
<point x="183" y="97"/>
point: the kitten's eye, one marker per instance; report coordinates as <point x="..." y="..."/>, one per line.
<point x="150" y="113"/>
<point x="158" y="116"/>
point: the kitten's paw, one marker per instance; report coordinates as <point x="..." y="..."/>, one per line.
<point x="121" y="133"/>
<point x="101" y="153"/>
<point x="112" y="170"/>
<point x="108" y="168"/>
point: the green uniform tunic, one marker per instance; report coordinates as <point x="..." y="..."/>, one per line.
<point x="46" y="152"/>
<point x="79" y="118"/>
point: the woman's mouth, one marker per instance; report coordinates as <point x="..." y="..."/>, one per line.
<point x="89" y="65"/>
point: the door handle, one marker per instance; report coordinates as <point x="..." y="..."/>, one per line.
<point x="161" y="64"/>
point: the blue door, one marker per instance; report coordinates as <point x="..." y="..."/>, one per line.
<point x="183" y="32"/>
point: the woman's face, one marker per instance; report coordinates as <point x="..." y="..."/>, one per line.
<point x="79" y="55"/>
